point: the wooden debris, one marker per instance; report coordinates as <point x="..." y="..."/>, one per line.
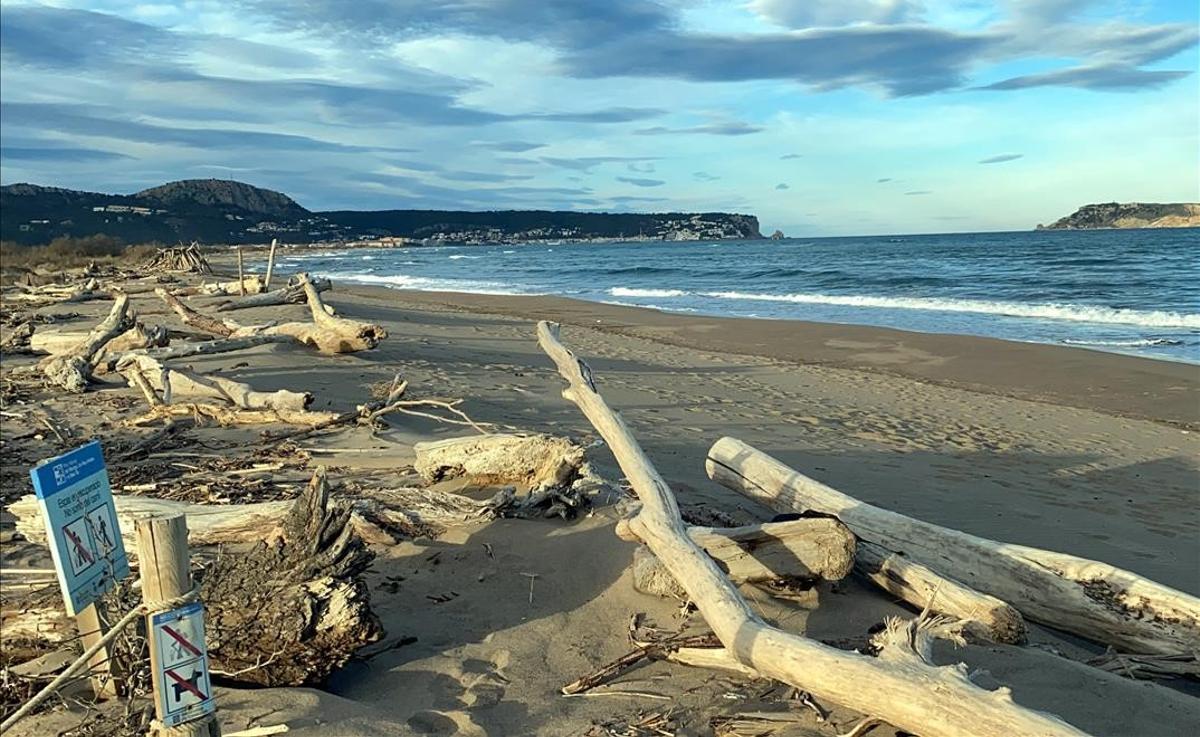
<point x="190" y="385"/>
<point x="72" y="369"/>
<point x="194" y="319"/>
<point x="531" y="461"/>
<point x="1085" y="597"/>
<point x="327" y="333"/>
<point x="291" y="613"/>
<point x="805" y="550"/>
<point x="293" y="293"/>
<point x="900" y="685"/>
<point x="179" y="259"/>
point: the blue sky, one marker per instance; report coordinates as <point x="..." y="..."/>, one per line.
<point x="822" y="117"/>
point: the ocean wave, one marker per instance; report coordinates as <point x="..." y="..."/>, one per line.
<point x="423" y="284"/>
<point x="1070" y="312"/>
<point x="628" y="292"/>
<point x="457" y="256"/>
<point x="1137" y="343"/>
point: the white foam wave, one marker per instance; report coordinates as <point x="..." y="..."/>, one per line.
<point x="458" y="256"/>
<point x="1070" y="312"/>
<point x="1136" y="343"/>
<point x="423" y="284"/>
<point x="368" y="258"/>
<point x="626" y="292"/>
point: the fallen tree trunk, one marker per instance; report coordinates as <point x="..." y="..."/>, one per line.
<point x="806" y="550"/>
<point x="530" y="461"/>
<point x="290" y="294"/>
<point x="326" y="333"/>
<point x="194" y="319"/>
<point x="72" y="369"/>
<point x="291" y="613"/>
<point x="212" y="524"/>
<point x="252" y="284"/>
<point x="984" y="617"/>
<point x="209" y="347"/>
<point x="136" y="337"/>
<point x="1085" y="597"/>
<point x="899" y="686"/>
<point x="190" y="385"/>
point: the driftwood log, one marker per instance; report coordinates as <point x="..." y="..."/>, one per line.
<point x="191" y="318"/>
<point x="252" y="284"/>
<point x="190" y="385"/>
<point x="899" y="686"/>
<point x="291" y="613"/>
<point x="983" y="617"/>
<point x="179" y="258"/>
<point x="809" y="550"/>
<point x="1085" y="597"/>
<point x="212" y="524"/>
<point x="531" y="461"/>
<point x="293" y="293"/>
<point x="137" y="337"/>
<point x="72" y="369"/>
<point x="326" y="333"/>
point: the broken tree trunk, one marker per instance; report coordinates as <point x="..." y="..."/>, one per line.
<point x="900" y="686"/>
<point x="805" y="550"/>
<point x="293" y="293"/>
<point x="1085" y="597"/>
<point x="531" y="461"/>
<point x="194" y="319"/>
<point x="209" y="347"/>
<point x="291" y="613"/>
<point x="135" y="338"/>
<point x="252" y="284"/>
<point x="190" y="385"/>
<point x="327" y="333"/>
<point x="984" y="617"/>
<point x="72" y="369"/>
<point x="212" y="524"/>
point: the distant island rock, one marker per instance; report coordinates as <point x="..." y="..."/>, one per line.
<point x="1130" y="215"/>
<point x="778" y="235"/>
<point x="224" y="211"/>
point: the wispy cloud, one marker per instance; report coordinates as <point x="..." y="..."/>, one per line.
<point x="640" y="182"/>
<point x="782" y="186"/>
<point x="786" y="157"/>
<point x="918" y="192"/>
<point x="737" y="128"/>
<point x="1001" y="158"/>
<point x="883" y="180"/>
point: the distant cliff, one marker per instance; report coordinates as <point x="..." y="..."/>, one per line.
<point x="223" y="211"/>
<point x="1130" y="215"/>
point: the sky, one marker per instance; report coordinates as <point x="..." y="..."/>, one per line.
<point x="821" y="117"/>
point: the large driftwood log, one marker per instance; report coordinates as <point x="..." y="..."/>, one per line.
<point x="327" y="333"/>
<point x="72" y="369"/>
<point x="805" y="550"/>
<point x="293" y="293"/>
<point x="189" y="385"/>
<point x="194" y="319"/>
<point x="212" y="524"/>
<point x="291" y="613"/>
<point x="137" y="337"/>
<point x="531" y="461"/>
<point x="209" y="347"/>
<point x="983" y="617"/>
<point x="1085" y="597"/>
<point x="252" y="284"/>
<point x="900" y="686"/>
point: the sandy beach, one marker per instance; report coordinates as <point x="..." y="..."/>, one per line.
<point x="1072" y="450"/>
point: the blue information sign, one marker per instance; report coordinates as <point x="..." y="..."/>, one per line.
<point x="81" y="524"/>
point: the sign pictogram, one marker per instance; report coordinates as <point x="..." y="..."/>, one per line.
<point x="184" y="688"/>
<point x="81" y="524"/>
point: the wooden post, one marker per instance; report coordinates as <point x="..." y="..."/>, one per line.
<point x="270" y="265"/>
<point x="166" y="574"/>
<point x="103" y="677"/>
<point x="241" y="274"/>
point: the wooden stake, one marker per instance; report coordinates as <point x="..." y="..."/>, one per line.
<point x="241" y="274"/>
<point x="91" y="629"/>
<point x="166" y="574"/>
<point x="270" y="265"/>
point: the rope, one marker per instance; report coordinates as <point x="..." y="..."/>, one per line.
<point x="140" y="610"/>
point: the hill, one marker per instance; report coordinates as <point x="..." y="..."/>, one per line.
<point x="1129" y="215"/>
<point x="223" y="211"/>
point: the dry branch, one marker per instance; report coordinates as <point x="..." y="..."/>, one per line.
<point x="179" y="258"/>
<point x="1086" y="597"/>
<point x="327" y="333"/>
<point x="194" y="319"/>
<point x="899" y="686"/>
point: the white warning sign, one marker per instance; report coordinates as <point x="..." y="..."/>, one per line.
<point x="184" y="686"/>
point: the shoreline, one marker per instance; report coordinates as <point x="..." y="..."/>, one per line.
<point x="1119" y="384"/>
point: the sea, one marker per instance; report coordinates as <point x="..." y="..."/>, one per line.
<point x="1124" y="291"/>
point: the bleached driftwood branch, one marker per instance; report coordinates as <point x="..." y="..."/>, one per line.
<point x="292" y="293"/>
<point x="1082" y="596"/>
<point x="72" y="369"/>
<point x="900" y="686"/>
